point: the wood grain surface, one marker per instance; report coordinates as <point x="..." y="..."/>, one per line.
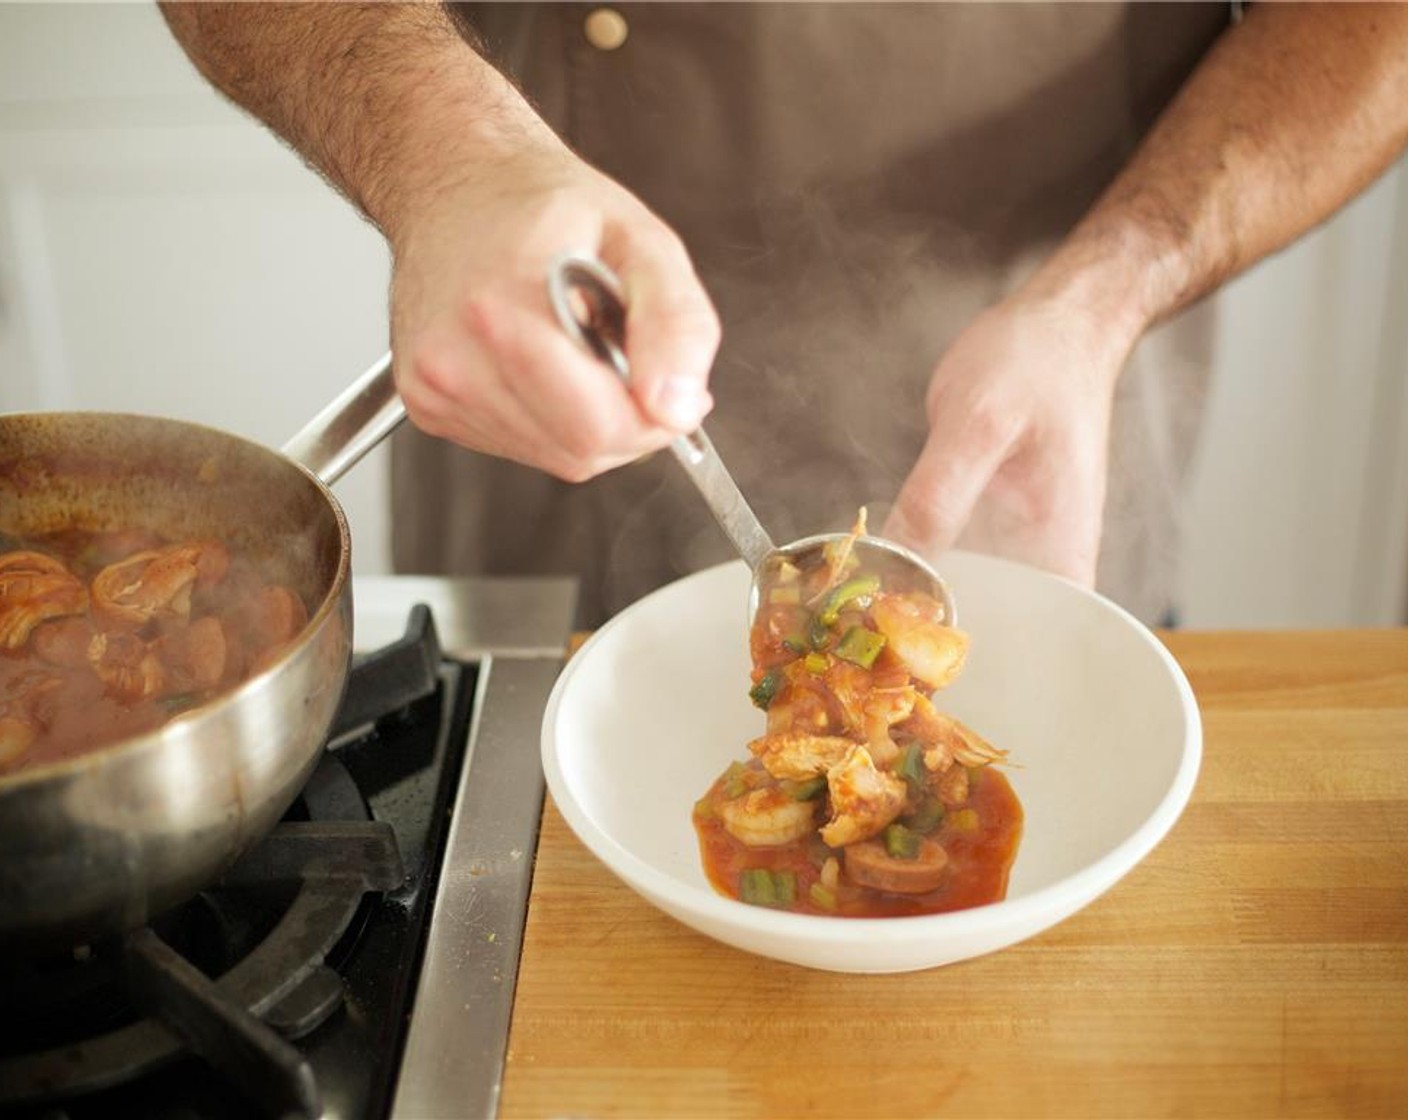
<point x="1255" y="964"/>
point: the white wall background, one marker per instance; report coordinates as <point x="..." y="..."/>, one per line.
<point x="161" y="253"/>
<point x="1299" y="510"/>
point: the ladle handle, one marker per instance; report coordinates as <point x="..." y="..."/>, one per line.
<point x="356" y="420"/>
<point x="586" y="296"/>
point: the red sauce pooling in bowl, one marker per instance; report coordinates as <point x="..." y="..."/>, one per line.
<point x="980" y="851"/>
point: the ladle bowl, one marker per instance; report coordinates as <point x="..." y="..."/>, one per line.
<point x="901" y="569"/>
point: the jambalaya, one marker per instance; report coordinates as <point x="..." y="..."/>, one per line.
<point x="861" y="798"/>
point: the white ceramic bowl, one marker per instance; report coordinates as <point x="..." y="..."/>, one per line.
<point x="1091" y="706"/>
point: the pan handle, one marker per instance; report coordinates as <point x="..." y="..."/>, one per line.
<point x="357" y="419"/>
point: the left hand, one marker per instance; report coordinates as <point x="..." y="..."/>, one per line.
<point x="1016" y="457"/>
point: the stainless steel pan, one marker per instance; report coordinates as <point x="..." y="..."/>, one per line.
<point x="101" y="843"/>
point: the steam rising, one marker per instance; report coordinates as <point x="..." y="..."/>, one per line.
<point x="820" y="383"/>
<point x="820" y="387"/>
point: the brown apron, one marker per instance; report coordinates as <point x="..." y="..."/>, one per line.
<point x="854" y="182"/>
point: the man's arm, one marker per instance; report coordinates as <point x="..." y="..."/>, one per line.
<point x="475" y="195"/>
<point x="362" y="92"/>
<point x="1293" y="112"/>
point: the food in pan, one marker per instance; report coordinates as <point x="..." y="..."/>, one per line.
<point x="106" y="635"/>
<point x="862" y="799"/>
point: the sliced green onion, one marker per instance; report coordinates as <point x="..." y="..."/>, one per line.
<point x="760" y="887"/>
<point x="927" y="817"/>
<point x="821" y="897"/>
<point x="763" y="692"/>
<point x="755" y="887"/>
<point x="816" y="663"/>
<point x="734" y="784"/>
<point x="848" y="592"/>
<point x="901" y="843"/>
<point x="860" y="646"/>
<point x="911" y="766"/>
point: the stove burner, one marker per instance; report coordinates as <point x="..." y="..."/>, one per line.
<point x="251" y="963"/>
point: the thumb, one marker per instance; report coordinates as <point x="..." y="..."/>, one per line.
<point x="672" y="335"/>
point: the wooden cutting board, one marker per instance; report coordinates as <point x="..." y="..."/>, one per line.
<point x="1256" y="964"/>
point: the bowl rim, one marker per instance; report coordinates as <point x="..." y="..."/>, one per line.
<point x="1036" y="910"/>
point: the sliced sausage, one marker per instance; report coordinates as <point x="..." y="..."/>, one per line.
<point x="869" y="865"/>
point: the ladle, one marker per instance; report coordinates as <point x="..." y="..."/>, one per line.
<point x="587" y="298"/>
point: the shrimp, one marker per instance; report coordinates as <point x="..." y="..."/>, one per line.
<point x="863" y="799"/>
<point x="932" y="652"/>
<point x="33" y="588"/>
<point x="148" y="585"/>
<point x="947" y="741"/>
<point x="797" y="756"/>
<point x="34" y="563"/>
<point x="767" y="817"/>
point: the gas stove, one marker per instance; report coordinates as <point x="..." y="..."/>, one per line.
<point x="360" y="961"/>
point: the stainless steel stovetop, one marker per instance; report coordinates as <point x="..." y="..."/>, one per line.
<point x="360" y="959"/>
<point x="515" y="631"/>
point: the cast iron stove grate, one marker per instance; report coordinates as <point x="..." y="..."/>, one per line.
<point x="283" y="989"/>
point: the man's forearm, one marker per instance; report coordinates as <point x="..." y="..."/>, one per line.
<point x="1292" y="113"/>
<point x="380" y="97"/>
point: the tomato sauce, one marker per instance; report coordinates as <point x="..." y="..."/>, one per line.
<point x="980" y="852"/>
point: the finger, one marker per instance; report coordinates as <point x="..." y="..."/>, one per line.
<point x="952" y="472"/>
<point x="582" y="418"/>
<point x="451" y="390"/>
<point x="672" y="330"/>
<point x="466" y="403"/>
